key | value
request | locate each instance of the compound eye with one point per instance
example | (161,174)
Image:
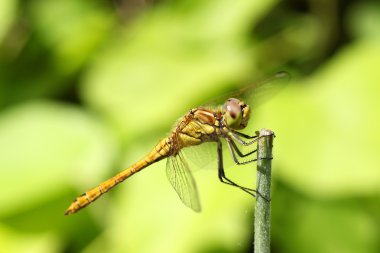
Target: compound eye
(233,113)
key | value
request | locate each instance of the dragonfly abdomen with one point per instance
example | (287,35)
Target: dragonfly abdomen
(160,151)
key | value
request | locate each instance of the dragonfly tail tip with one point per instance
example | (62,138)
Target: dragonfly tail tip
(69,211)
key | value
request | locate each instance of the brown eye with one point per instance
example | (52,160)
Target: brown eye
(233,114)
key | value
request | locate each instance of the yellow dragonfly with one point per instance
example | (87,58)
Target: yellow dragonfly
(199,125)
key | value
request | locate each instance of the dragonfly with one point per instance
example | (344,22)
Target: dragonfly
(199,125)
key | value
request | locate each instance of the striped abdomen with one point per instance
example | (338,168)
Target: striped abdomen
(160,151)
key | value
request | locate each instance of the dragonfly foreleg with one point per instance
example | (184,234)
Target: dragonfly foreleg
(232,146)
(222,175)
(243,135)
(235,136)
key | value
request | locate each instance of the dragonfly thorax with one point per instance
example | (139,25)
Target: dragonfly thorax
(236,113)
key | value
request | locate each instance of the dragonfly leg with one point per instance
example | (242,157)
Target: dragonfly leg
(233,145)
(233,148)
(243,135)
(236,137)
(222,175)
(224,179)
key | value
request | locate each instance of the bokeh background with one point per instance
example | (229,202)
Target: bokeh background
(88,87)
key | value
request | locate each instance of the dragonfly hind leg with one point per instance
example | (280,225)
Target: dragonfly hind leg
(221,174)
(223,178)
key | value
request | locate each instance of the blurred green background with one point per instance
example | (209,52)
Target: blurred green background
(89,87)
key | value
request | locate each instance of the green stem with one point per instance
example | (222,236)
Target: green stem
(262,207)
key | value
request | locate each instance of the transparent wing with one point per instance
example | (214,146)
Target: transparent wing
(256,93)
(202,156)
(180,177)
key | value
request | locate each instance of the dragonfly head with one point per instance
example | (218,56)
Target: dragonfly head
(236,113)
